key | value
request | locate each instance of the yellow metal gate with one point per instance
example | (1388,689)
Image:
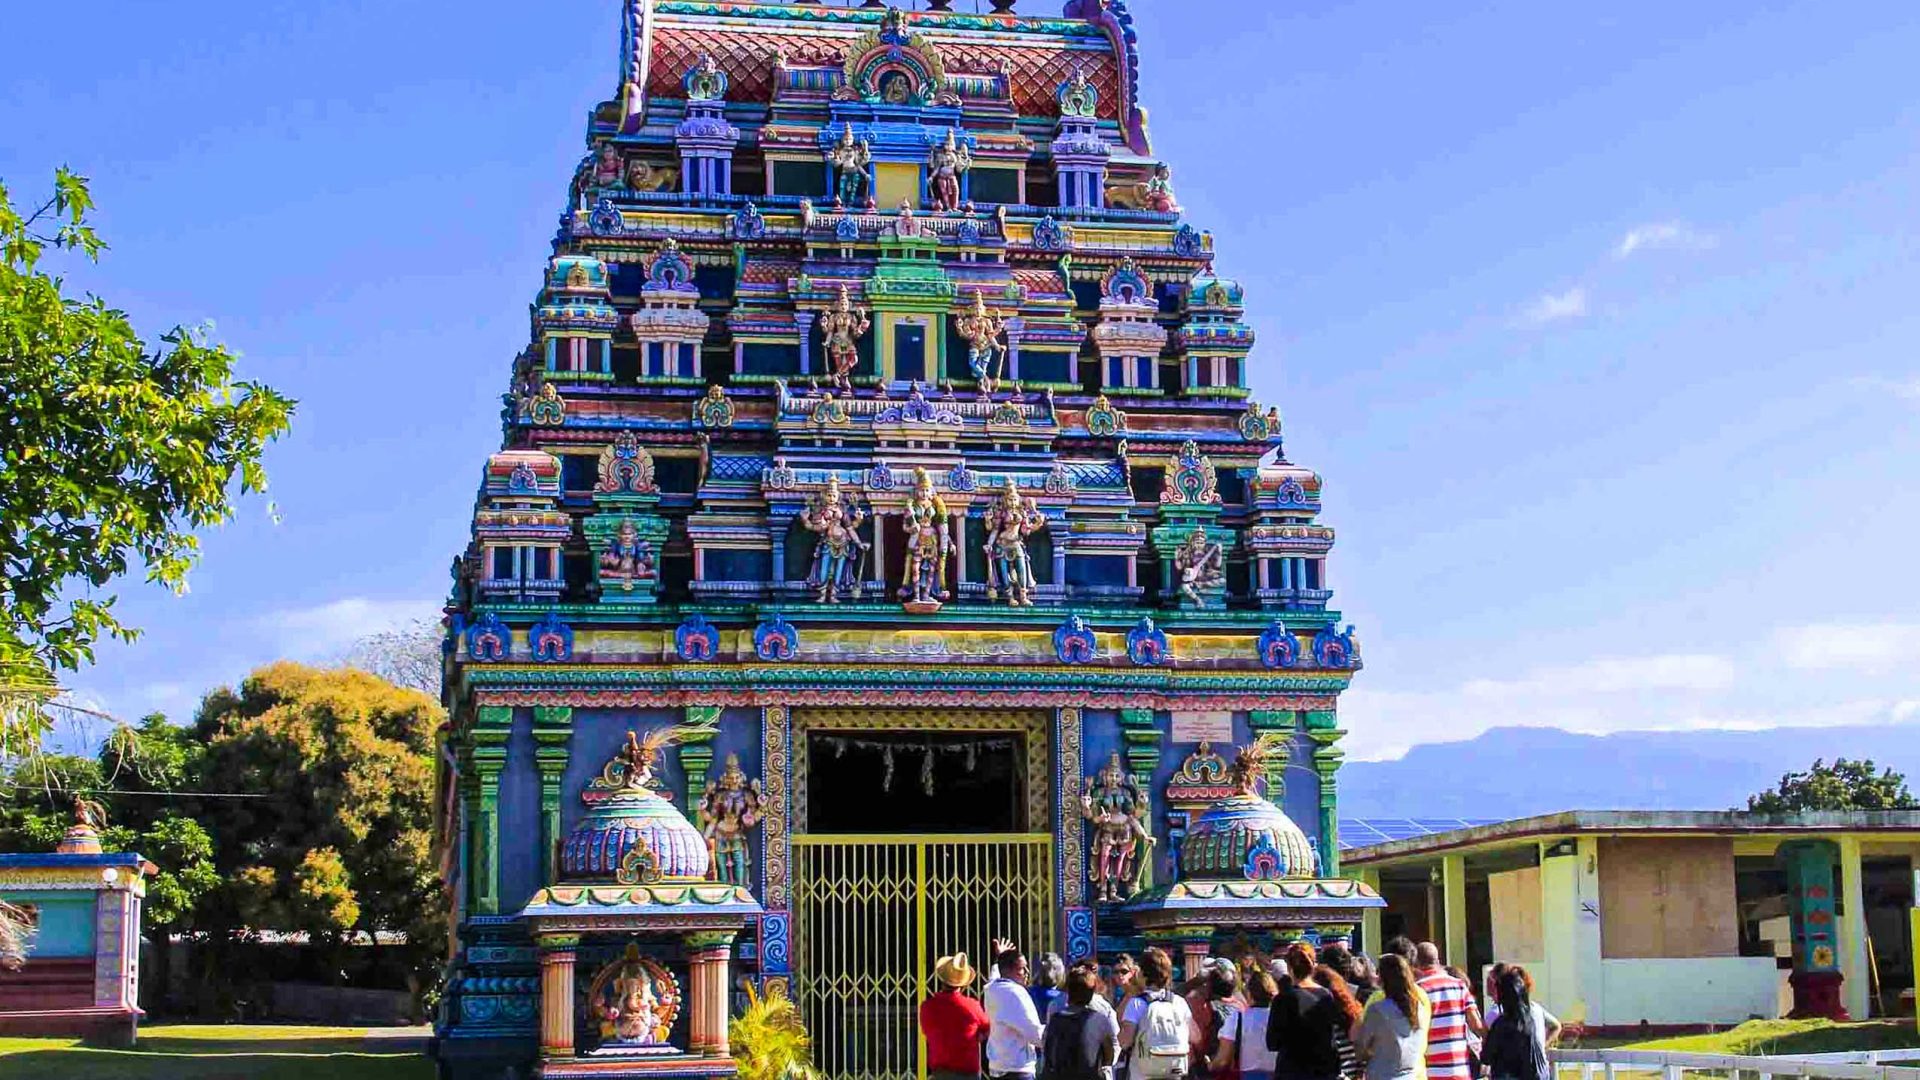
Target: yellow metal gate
(872,913)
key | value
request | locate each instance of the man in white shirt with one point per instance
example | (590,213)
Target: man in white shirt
(1015,1029)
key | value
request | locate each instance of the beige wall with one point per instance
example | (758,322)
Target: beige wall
(1667,898)
(1514,898)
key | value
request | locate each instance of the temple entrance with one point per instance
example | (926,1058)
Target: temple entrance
(925,836)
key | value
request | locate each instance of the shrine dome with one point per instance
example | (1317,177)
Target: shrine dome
(1245,837)
(630,834)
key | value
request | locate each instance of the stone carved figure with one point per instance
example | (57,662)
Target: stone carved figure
(982,329)
(842,327)
(929,544)
(839,558)
(946,163)
(1009,522)
(1200,563)
(1119,861)
(629,558)
(1156,192)
(729,808)
(849,160)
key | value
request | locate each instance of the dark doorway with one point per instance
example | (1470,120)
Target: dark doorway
(914,782)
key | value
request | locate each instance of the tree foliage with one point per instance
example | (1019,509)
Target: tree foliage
(410,655)
(113,451)
(342,842)
(1844,785)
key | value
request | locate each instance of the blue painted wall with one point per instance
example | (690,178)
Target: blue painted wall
(66,922)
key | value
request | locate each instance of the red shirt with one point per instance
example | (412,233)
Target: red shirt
(955,1025)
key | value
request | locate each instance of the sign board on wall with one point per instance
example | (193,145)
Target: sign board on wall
(1194,727)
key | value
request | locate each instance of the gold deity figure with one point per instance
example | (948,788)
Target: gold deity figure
(849,160)
(982,329)
(946,163)
(1009,522)
(1120,861)
(924,584)
(729,808)
(839,558)
(841,327)
(1198,563)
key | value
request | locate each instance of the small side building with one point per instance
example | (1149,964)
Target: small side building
(82,910)
(1629,919)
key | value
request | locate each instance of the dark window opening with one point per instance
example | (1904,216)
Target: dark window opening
(1146,481)
(714,282)
(748,177)
(994,185)
(769,358)
(677,475)
(578,472)
(1097,570)
(1233,487)
(799,178)
(909,352)
(1043,189)
(907,782)
(626,362)
(731,564)
(676,573)
(1050,366)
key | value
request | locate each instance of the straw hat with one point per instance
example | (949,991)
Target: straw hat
(953,970)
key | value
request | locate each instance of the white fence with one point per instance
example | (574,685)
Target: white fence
(1672,1065)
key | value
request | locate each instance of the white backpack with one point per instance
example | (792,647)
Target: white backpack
(1160,1047)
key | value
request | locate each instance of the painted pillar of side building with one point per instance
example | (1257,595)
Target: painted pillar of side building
(1570,929)
(1854,965)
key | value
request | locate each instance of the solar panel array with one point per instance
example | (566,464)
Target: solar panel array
(1365,832)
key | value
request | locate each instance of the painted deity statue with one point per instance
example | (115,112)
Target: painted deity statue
(729,808)
(1156,193)
(1199,563)
(842,327)
(1120,863)
(982,329)
(607,169)
(632,1011)
(929,544)
(849,160)
(947,162)
(839,557)
(1009,522)
(628,558)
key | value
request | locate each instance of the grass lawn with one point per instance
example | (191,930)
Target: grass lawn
(1792,1037)
(219,1052)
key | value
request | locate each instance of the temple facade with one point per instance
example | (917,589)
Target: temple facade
(885,554)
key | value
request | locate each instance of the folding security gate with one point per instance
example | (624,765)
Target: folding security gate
(872,914)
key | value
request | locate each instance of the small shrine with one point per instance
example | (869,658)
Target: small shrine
(1244,867)
(634,942)
(80,907)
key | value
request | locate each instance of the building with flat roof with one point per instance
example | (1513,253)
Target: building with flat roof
(1667,918)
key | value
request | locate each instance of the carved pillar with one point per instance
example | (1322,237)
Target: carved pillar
(1326,762)
(696,751)
(488,757)
(1058,531)
(803,321)
(708,952)
(552,728)
(1278,721)
(1142,740)
(556,994)
(1071,841)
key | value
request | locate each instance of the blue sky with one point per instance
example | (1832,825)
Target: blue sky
(1599,320)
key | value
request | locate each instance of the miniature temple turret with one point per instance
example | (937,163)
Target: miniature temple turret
(887,436)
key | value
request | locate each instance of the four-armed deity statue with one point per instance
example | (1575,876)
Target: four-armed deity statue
(842,327)
(1121,860)
(839,557)
(629,558)
(849,160)
(1199,564)
(729,808)
(982,329)
(945,164)
(1009,522)
(929,543)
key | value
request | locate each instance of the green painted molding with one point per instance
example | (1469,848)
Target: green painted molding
(552,716)
(493,716)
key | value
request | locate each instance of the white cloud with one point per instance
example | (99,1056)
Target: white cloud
(1553,307)
(327,629)
(1661,235)
(1612,675)
(1868,648)
(1906,388)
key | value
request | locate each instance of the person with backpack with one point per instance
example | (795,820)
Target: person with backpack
(1518,1036)
(1081,1041)
(1155,1026)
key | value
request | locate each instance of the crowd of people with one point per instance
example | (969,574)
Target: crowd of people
(1327,1014)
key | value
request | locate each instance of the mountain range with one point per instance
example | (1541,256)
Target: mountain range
(1518,772)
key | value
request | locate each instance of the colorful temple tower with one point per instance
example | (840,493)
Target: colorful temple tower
(883,539)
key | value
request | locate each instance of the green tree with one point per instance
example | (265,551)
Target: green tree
(342,843)
(113,451)
(1843,785)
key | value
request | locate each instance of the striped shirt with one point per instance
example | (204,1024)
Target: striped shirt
(1447,1056)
